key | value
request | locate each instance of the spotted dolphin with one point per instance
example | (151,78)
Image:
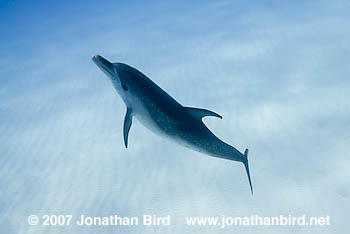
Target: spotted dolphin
(162,114)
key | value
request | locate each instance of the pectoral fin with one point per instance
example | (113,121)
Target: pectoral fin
(127,126)
(200,113)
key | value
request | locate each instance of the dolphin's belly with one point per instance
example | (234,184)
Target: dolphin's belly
(164,126)
(154,118)
(183,133)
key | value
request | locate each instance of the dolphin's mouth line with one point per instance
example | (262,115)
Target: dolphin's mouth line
(107,70)
(104,68)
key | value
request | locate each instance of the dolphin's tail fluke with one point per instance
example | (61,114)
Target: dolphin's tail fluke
(245,162)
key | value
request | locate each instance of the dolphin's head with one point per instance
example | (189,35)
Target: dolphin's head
(108,68)
(118,73)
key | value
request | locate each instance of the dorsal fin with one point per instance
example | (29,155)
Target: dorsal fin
(200,113)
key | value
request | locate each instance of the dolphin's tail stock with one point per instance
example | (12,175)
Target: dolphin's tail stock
(245,162)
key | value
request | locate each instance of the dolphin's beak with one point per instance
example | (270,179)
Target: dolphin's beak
(106,66)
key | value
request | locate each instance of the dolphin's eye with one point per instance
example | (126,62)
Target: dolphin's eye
(124,87)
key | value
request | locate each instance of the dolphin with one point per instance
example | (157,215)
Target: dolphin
(162,114)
